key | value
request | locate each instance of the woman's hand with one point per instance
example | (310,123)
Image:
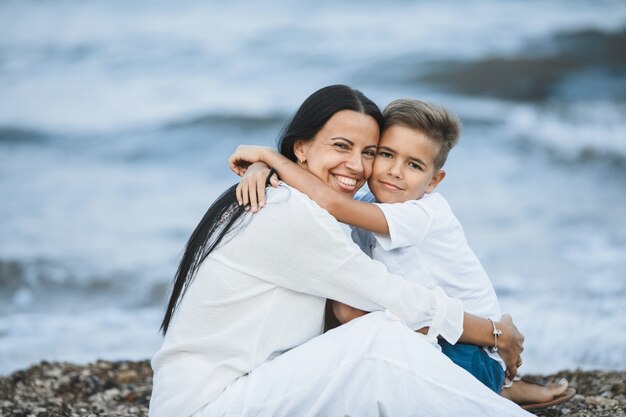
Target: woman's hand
(251,189)
(246,155)
(510,345)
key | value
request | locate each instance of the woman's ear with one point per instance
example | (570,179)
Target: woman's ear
(435,180)
(300,149)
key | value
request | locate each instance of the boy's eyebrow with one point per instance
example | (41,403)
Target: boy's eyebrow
(420,162)
(413,158)
(387,148)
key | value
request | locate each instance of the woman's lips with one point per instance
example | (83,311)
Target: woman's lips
(347,184)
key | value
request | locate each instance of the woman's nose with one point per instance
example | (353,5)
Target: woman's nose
(355,162)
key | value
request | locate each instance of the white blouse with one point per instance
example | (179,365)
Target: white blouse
(263,292)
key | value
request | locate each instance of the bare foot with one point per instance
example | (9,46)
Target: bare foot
(527,393)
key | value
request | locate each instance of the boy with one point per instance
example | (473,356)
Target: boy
(412,230)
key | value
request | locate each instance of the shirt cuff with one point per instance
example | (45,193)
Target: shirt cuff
(448,320)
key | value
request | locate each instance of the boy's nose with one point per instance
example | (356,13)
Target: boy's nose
(394,171)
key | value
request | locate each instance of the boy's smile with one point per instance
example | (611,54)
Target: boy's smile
(404,168)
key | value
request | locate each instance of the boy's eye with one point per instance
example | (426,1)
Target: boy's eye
(385,154)
(413,165)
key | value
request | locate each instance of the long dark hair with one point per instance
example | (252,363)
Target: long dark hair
(310,118)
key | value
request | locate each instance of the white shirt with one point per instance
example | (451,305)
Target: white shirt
(426,245)
(263,292)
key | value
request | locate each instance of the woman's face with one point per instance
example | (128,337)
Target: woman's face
(342,153)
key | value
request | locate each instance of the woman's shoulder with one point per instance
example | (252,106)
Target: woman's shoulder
(285,194)
(279,195)
(288,201)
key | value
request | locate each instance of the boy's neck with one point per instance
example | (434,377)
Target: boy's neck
(385,202)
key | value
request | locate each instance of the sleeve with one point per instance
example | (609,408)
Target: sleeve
(298,245)
(408,222)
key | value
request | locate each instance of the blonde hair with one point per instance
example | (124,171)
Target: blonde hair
(436,122)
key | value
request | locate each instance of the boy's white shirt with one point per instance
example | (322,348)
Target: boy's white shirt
(427,245)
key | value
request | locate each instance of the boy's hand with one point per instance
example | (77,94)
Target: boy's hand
(346,313)
(246,155)
(251,189)
(510,345)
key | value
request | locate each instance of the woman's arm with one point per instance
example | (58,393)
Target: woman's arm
(476,331)
(356,213)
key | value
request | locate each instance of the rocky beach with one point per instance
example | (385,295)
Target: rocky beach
(103,388)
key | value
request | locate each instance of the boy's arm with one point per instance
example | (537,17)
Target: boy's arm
(346,313)
(356,213)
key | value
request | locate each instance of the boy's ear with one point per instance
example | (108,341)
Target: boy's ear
(300,149)
(435,180)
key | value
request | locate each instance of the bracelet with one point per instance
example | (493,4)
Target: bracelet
(495,333)
(269,176)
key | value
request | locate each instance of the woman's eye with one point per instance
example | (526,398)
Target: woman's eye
(340,145)
(369,154)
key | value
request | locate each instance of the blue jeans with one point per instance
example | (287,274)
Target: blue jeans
(477,362)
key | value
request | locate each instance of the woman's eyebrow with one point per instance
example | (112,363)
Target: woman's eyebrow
(342,138)
(351,142)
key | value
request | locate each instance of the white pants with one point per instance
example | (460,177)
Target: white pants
(372,366)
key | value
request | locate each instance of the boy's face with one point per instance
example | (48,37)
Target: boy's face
(404,168)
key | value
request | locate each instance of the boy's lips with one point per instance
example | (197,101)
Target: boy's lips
(389,186)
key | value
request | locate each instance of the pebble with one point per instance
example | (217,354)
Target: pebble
(121,389)
(601,402)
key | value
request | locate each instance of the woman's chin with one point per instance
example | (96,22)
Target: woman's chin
(349,191)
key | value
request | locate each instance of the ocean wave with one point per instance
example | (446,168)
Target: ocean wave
(582,64)
(574,132)
(10,135)
(34,135)
(240,121)
(41,283)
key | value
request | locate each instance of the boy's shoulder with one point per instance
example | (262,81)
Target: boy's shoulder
(434,199)
(437,205)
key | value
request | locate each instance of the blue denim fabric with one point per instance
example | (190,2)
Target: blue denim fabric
(477,362)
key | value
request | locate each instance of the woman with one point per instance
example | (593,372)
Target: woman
(244,336)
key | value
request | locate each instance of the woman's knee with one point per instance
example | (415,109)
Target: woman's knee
(377,335)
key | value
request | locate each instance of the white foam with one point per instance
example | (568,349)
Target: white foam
(572,129)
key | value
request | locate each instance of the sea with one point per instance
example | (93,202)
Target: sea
(117,119)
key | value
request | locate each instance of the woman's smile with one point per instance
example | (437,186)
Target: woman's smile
(349,184)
